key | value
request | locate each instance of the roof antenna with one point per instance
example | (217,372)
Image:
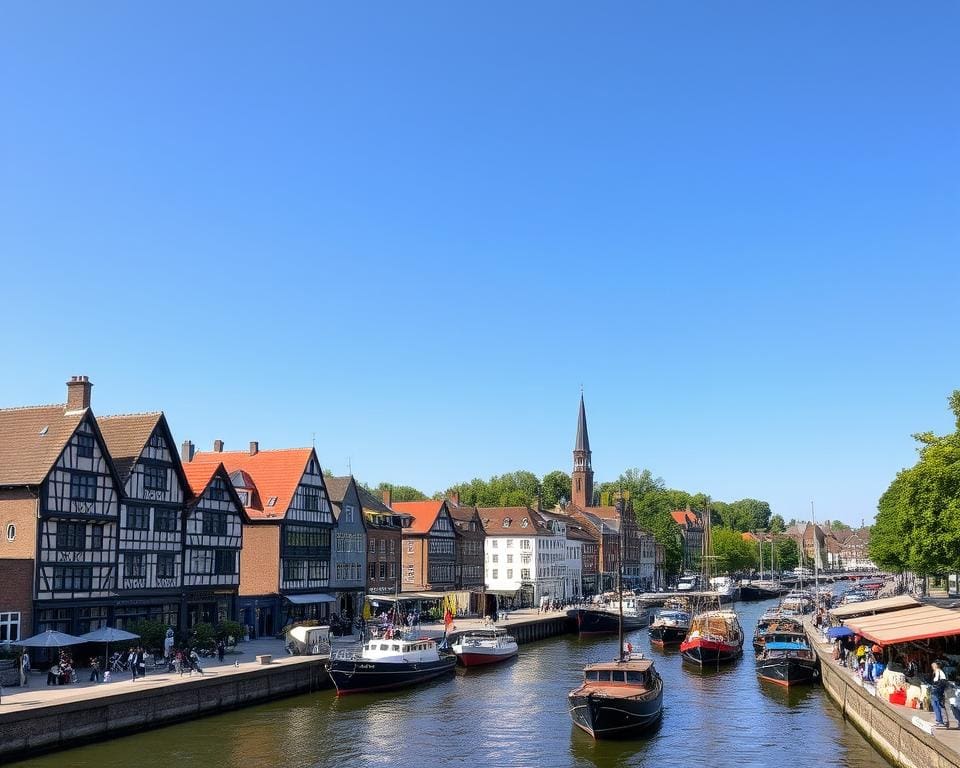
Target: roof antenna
(313,439)
(349,466)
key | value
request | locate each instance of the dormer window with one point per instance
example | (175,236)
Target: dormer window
(524,523)
(506,522)
(244,497)
(272,501)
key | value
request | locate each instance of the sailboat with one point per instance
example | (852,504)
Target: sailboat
(762,589)
(715,636)
(623,697)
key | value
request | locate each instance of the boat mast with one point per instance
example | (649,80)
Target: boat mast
(816,555)
(620,574)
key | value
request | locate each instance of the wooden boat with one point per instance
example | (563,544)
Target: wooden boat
(385,664)
(715,638)
(761,590)
(618,699)
(604,619)
(772,622)
(787,659)
(669,627)
(476,647)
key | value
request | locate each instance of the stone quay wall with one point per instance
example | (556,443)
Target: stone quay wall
(26,732)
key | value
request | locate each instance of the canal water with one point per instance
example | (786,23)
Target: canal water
(511,715)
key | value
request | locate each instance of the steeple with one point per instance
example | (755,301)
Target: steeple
(582,477)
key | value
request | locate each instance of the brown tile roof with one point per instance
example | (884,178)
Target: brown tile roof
(126,435)
(424,513)
(337,487)
(31,440)
(504,521)
(277,474)
(371,502)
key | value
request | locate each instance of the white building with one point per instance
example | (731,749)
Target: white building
(523,554)
(572,571)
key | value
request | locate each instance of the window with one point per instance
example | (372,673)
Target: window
(72,578)
(165,520)
(383,570)
(244,497)
(393,570)
(154,477)
(226,562)
(9,627)
(524,523)
(96,537)
(348,510)
(214,523)
(12,535)
(83,487)
(496,573)
(383,546)
(509,558)
(506,522)
(294,570)
(217,492)
(494,543)
(311,498)
(371,570)
(509,543)
(138,518)
(509,573)
(393,547)
(92,617)
(201,562)
(496,558)
(71,536)
(166,566)
(319,570)
(525,574)
(134,565)
(85,446)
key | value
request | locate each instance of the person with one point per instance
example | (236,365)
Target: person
(141,662)
(132,661)
(94,670)
(25,669)
(221,649)
(195,662)
(939,688)
(178,662)
(53,675)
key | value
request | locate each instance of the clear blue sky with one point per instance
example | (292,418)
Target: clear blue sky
(414,230)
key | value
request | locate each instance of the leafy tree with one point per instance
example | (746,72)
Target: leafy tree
(204,636)
(398,492)
(732,552)
(513,489)
(918,520)
(837,525)
(152,634)
(556,486)
(777,524)
(787,553)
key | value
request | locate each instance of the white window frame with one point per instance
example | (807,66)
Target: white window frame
(10,620)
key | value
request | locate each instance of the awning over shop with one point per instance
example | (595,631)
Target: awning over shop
(919,623)
(868,607)
(320,597)
(503,592)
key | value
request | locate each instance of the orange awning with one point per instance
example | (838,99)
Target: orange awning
(918,623)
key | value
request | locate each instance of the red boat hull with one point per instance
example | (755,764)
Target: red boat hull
(480,659)
(704,652)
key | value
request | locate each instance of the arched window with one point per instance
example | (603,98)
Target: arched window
(11,532)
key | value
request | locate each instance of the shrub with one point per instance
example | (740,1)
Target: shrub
(227,629)
(152,634)
(204,636)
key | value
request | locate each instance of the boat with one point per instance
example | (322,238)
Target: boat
(387,663)
(761,590)
(476,647)
(725,588)
(787,659)
(715,638)
(604,618)
(618,699)
(669,627)
(770,623)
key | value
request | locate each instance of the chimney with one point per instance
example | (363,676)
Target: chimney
(218,446)
(186,451)
(454,497)
(254,447)
(78,393)
(388,497)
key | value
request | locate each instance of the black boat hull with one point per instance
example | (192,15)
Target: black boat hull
(666,635)
(361,676)
(788,672)
(594,622)
(605,717)
(750,592)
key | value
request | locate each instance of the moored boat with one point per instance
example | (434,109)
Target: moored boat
(715,638)
(787,659)
(476,647)
(618,699)
(669,627)
(385,664)
(770,623)
(603,619)
(761,590)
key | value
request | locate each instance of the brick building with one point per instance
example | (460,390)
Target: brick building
(429,547)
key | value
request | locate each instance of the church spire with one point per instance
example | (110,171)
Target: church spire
(582,477)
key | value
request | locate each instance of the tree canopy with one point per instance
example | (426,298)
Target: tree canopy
(398,492)
(732,552)
(513,489)
(918,519)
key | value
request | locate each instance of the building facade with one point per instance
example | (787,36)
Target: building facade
(690,532)
(429,547)
(349,571)
(384,527)
(469,550)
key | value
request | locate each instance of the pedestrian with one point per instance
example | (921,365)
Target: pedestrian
(195,662)
(141,662)
(25,669)
(178,662)
(221,649)
(939,688)
(94,670)
(132,661)
(53,675)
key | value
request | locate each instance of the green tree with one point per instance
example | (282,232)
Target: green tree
(556,486)
(152,634)
(513,489)
(777,524)
(732,552)
(398,492)
(918,519)
(787,553)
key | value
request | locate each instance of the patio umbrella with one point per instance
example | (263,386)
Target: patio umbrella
(835,632)
(108,635)
(51,639)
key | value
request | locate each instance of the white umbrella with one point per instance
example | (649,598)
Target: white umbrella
(50,639)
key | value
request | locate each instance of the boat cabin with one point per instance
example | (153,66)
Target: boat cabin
(492,636)
(397,650)
(635,672)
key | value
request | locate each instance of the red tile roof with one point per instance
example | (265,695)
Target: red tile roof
(199,476)
(424,513)
(277,473)
(684,516)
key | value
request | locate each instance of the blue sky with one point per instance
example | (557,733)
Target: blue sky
(412,231)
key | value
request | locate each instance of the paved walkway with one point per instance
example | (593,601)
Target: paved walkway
(38,694)
(948,737)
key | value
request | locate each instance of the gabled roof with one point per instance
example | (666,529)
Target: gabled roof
(31,440)
(508,521)
(424,513)
(197,478)
(126,435)
(276,473)
(464,515)
(337,487)
(685,517)
(373,503)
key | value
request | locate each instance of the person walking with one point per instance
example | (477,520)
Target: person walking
(25,669)
(141,662)
(94,670)
(195,662)
(132,661)
(939,688)
(221,649)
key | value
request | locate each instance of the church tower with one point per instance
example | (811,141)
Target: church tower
(582,476)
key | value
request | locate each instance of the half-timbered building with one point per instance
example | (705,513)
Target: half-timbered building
(213,539)
(429,547)
(286,557)
(150,551)
(384,542)
(348,570)
(60,498)
(469,550)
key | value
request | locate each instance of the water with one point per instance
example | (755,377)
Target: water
(511,715)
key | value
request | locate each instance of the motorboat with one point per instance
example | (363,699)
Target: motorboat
(476,647)
(669,627)
(724,588)
(604,618)
(787,659)
(387,663)
(618,699)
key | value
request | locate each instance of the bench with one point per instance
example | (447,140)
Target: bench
(264,658)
